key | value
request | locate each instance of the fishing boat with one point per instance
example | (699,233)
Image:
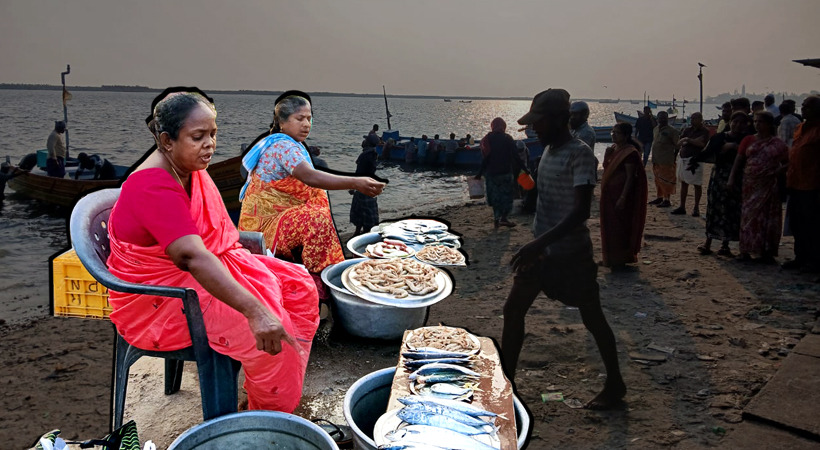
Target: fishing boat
(66,191)
(447,100)
(609,100)
(603,133)
(465,101)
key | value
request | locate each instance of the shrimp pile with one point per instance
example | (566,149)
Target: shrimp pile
(397,277)
(440,254)
(442,338)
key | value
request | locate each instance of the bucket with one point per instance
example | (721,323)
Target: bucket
(475,186)
(366,319)
(367,399)
(526,181)
(255,429)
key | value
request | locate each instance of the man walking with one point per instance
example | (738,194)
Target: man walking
(559,260)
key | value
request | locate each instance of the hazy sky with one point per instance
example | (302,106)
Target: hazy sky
(429,47)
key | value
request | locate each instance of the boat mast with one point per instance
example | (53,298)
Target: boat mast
(385,108)
(65,108)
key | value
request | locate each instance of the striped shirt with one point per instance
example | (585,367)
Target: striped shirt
(560,171)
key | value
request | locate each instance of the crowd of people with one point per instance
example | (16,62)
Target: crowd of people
(759,160)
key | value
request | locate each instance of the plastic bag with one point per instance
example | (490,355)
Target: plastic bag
(475,186)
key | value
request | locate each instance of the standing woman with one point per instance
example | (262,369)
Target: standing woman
(500,162)
(723,201)
(284,196)
(623,199)
(762,157)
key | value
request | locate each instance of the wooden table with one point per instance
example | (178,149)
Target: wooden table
(494,391)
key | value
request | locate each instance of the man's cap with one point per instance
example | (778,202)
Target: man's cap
(546,102)
(578,106)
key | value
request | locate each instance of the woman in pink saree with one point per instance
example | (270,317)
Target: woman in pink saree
(762,157)
(170,227)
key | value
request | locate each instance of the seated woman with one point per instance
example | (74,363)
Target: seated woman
(284,195)
(257,310)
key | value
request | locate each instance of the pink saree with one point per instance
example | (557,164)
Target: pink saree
(149,322)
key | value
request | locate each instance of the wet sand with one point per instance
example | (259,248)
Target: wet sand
(728,326)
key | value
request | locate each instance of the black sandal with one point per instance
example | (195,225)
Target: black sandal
(341,434)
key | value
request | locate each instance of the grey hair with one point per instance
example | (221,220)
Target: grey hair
(171,113)
(283,110)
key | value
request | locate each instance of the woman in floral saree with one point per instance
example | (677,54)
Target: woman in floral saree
(762,157)
(284,196)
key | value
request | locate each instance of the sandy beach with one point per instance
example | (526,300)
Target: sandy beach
(697,337)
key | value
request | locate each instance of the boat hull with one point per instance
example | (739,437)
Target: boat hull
(56,191)
(66,191)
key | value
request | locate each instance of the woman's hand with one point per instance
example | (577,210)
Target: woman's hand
(621,203)
(269,332)
(369,186)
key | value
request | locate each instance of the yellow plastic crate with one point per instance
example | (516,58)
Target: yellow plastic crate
(76,293)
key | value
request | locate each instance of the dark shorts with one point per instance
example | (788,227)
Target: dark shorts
(572,280)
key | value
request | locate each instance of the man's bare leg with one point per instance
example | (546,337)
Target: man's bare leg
(614,387)
(512,336)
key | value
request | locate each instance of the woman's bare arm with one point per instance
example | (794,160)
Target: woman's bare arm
(190,254)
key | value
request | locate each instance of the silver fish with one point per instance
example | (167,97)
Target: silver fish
(400,445)
(435,408)
(433,353)
(424,434)
(418,416)
(445,378)
(441,369)
(466,408)
(415,364)
(445,390)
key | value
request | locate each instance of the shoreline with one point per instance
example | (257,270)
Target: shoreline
(717,315)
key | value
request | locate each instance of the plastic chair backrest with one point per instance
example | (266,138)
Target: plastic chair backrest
(88,228)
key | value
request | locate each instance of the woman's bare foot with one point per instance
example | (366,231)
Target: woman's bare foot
(609,398)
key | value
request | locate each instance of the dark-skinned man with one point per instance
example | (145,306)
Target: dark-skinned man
(559,261)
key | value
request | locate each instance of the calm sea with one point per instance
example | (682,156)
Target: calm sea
(112,124)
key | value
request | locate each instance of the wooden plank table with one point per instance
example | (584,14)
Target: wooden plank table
(494,391)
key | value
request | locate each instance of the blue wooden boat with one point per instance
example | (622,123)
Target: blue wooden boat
(464,158)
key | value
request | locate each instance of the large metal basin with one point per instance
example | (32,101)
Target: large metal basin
(255,430)
(366,319)
(367,399)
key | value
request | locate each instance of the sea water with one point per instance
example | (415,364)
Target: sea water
(112,125)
